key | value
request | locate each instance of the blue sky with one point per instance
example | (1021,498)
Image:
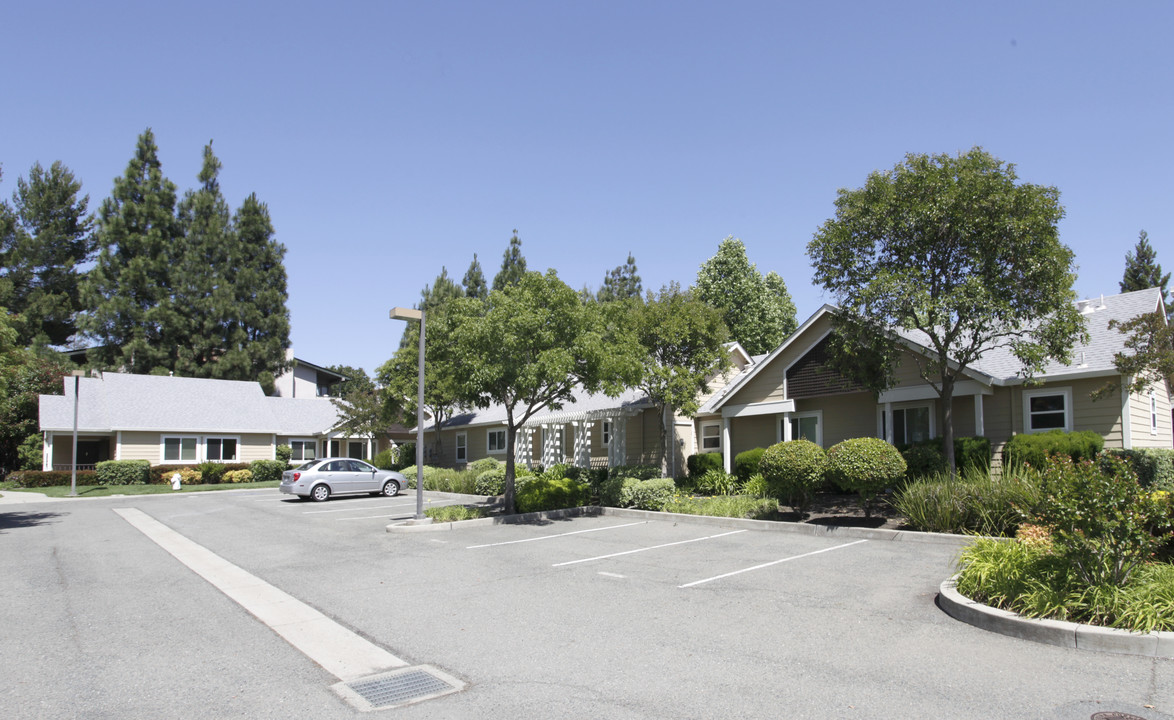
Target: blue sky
(390,139)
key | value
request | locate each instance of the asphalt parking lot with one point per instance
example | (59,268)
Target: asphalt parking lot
(589,617)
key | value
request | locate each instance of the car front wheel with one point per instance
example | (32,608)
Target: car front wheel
(391,488)
(320,493)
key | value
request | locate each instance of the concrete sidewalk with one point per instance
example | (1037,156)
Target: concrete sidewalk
(9,497)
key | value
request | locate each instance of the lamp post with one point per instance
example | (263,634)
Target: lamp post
(399,313)
(77,377)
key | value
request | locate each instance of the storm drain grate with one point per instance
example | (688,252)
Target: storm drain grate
(1115,716)
(399,687)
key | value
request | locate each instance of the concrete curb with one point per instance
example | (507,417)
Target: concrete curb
(722,522)
(1052,632)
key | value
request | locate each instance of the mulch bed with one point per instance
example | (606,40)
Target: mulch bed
(843,510)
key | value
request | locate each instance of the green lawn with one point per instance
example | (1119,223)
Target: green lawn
(107,490)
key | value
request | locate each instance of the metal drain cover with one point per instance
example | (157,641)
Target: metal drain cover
(398,687)
(1115,716)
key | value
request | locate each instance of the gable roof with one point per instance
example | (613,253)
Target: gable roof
(999,366)
(160,403)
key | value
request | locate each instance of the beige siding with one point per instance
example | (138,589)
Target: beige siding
(1102,416)
(756,431)
(255,447)
(1144,435)
(141,446)
(844,416)
(768,384)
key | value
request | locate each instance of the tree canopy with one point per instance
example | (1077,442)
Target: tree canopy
(529,346)
(513,264)
(955,249)
(1143,271)
(474,280)
(757,310)
(621,283)
(45,236)
(682,343)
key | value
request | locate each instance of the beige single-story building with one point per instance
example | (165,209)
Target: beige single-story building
(174,420)
(791,393)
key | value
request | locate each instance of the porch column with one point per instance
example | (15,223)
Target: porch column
(726,461)
(583,443)
(888,422)
(522,451)
(979,422)
(1126,420)
(787,427)
(618,448)
(47,451)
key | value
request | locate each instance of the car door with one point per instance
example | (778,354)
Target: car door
(364,475)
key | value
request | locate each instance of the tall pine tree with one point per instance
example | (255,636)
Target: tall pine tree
(621,283)
(44,237)
(474,281)
(129,289)
(513,265)
(1142,271)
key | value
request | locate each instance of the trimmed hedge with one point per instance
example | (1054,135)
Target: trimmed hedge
(267,470)
(486,463)
(866,466)
(647,494)
(794,471)
(161,474)
(1154,466)
(238,476)
(702,463)
(746,463)
(1034,448)
(551,494)
(491,482)
(284,454)
(48,478)
(922,457)
(640,472)
(123,472)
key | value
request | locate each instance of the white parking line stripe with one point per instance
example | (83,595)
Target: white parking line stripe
(385,516)
(339,651)
(548,537)
(654,547)
(765,565)
(356,509)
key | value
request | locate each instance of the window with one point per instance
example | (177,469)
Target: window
(711,437)
(605,432)
(806,426)
(357,450)
(496,441)
(1045,410)
(1153,413)
(179,449)
(335,448)
(910,425)
(303,450)
(462,447)
(220,449)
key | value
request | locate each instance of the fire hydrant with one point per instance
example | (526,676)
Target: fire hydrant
(176,479)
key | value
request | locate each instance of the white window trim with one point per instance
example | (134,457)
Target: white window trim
(499,451)
(163,449)
(310,441)
(462,447)
(705,425)
(605,432)
(817,414)
(1029,394)
(1153,412)
(203,451)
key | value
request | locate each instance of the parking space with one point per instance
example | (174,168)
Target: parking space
(351,508)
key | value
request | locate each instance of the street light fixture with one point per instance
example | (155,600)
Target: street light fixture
(399,313)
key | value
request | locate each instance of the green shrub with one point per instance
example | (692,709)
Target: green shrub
(973,502)
(30,452)
(972,453)
(238,476)
(1034,448)
(640,472)
(543,494)
(123,472)
(735,506)
(49,478)
(212,473)
(866,466)
(384,459)
(161,474)
(491,482)
(187,476)
(449,480)
(455,513)
(924,460)
(794,471)
(716,482)
(405,455)
(556,472)
(702,463)
(757,486)
(610,491)
(1100,517)
(746,463)
(1154,466)
(284,454)
(267,470)
(485,464)
(647,494)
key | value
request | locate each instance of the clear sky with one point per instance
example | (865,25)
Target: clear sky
(393,138)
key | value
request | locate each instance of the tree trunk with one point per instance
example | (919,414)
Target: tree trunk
(664,457)
(948,423)
(510,434)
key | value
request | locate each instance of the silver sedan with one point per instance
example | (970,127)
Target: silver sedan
(319,479)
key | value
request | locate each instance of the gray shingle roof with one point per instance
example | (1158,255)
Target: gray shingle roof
(122,401)
(582,403)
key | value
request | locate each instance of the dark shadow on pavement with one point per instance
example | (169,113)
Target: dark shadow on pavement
(13,520)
